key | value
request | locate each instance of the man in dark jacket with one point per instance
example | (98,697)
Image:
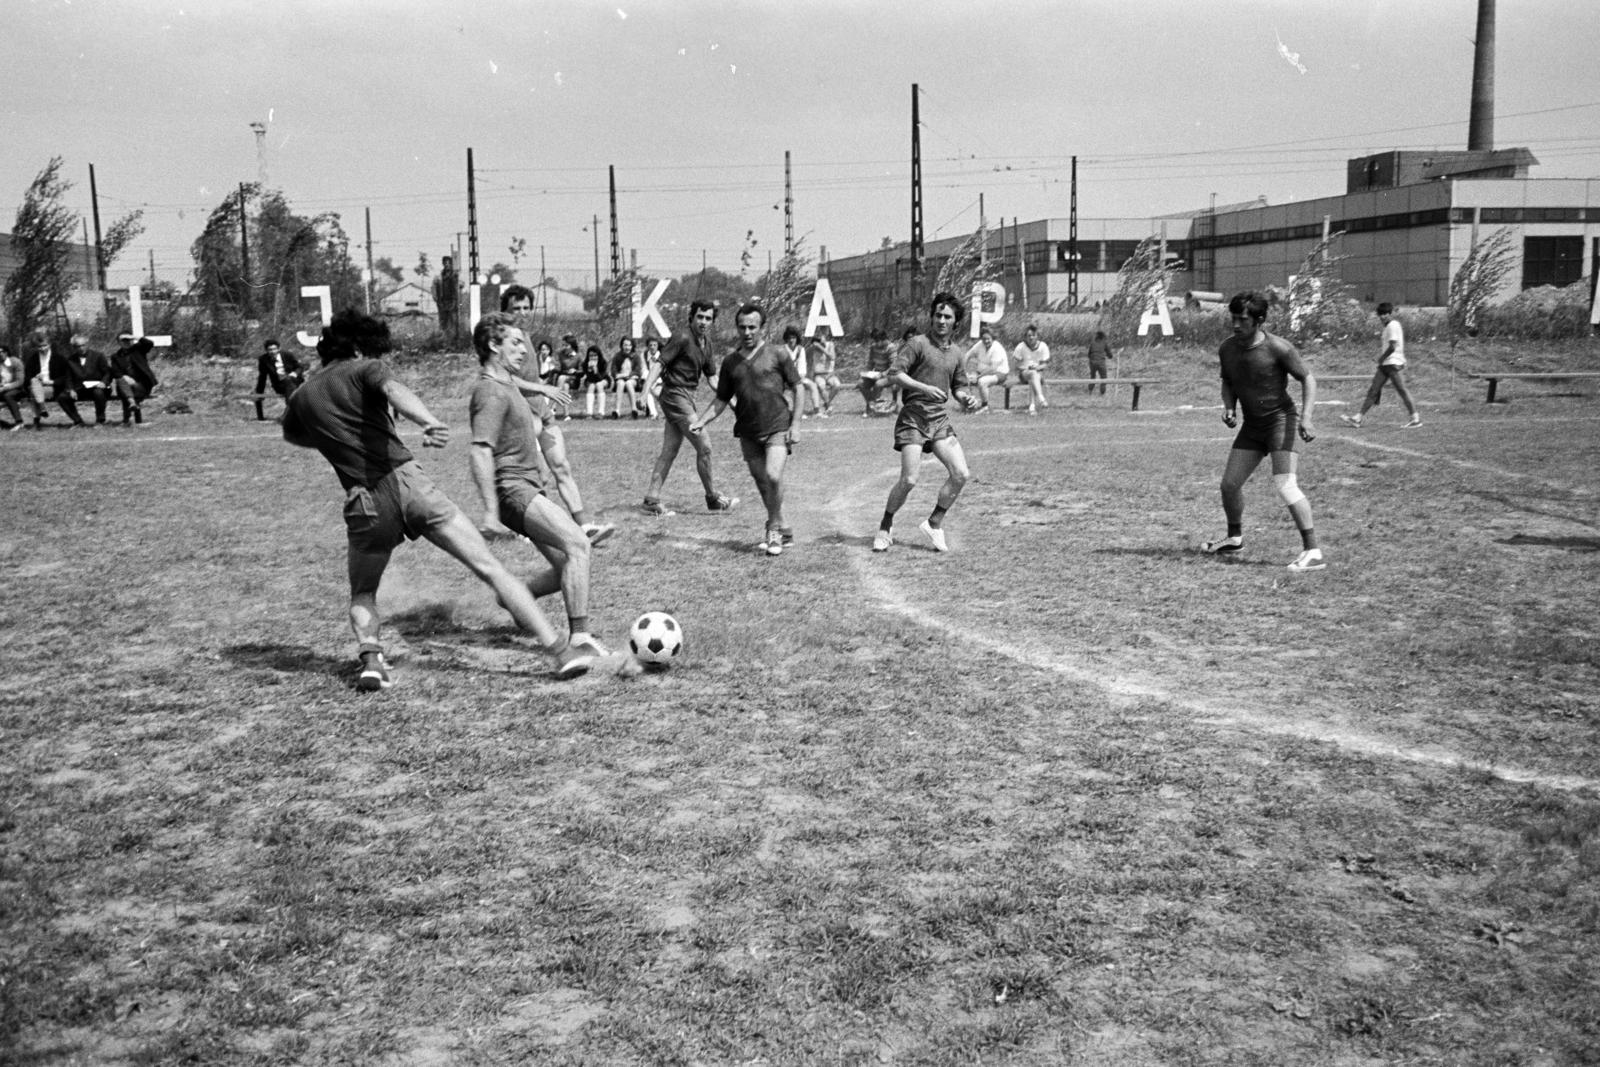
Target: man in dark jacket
(279,369)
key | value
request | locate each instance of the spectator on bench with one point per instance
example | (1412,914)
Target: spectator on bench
(875,379)
(279,369)
(987,364)
(822,361)
(133,378)
(1029,358)
(11,386)
(92,370)
(49,376)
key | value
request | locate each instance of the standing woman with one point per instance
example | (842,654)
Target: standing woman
(797,352)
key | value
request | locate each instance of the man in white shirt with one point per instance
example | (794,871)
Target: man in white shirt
(1391,368)
(1029,358)
(987,364)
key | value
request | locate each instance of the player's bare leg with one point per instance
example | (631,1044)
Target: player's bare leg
(1242,462)
(562,542)
(910,467)
(767,470)
(461,539)
(949,452)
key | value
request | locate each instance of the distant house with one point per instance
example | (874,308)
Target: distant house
(551,299)
(408,299)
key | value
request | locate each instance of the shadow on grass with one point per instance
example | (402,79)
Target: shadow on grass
(1571,544)
(295,658)
(743,546)
(1184,553)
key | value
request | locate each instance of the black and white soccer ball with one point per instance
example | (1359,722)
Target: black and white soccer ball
(655,639)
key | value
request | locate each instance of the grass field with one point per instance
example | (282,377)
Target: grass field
(1072,793)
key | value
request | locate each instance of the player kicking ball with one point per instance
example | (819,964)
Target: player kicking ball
(929,371)
(509,472)
(1256,368)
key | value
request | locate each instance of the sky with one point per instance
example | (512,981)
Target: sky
(367,105)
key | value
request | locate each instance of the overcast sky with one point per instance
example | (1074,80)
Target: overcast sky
(367,104)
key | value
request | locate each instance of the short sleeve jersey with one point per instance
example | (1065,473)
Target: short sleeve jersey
(342,409)
(990,359)
(1392,331)
(1259,380)
(502,420)
(1027,358)
(929,364)
(684,361)
(755,385)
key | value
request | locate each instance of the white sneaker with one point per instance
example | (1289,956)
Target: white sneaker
(882,540)
(1309,560)
(936,536)
(1416,420)
(1224,546)
(598,531)
(1352,420)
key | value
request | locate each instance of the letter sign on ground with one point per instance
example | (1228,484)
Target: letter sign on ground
(646,309)
(136,319)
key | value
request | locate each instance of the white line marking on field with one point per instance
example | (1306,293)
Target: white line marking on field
(1467,464)
(1132,688)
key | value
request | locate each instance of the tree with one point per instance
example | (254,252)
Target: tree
(786,289)
(966,266)
(508,274)
(422,269)
(287,251)
(385,266)
(1478,281)
(42,239)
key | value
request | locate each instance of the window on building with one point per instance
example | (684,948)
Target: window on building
(1554,261)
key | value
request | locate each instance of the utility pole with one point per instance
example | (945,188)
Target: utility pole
(596,228)
(983,231)
(370,278)
(1072,240)
(788,207)
(616,251)
(916,198)
(244,247)
(1022,259)
(544,290)
(152,269)
(99,250)
(472,220)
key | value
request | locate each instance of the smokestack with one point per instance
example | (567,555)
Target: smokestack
(1480,126)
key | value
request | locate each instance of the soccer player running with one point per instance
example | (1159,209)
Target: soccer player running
(509,473)
(1256,368)
(685,360)
(1391,368)
(343,412)
(763,384)
(518,300)
(928,371)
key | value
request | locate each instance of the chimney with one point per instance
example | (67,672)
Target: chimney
(1480,126)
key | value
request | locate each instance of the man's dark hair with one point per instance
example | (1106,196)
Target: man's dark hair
(1386,308)
(351,334)
(143,344)
(271,342)
(791,332)
(751,308)
(1249,303)
(491,330)
(908,333)
(703,305)
(948,300)
(514,292)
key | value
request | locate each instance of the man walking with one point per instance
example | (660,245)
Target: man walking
(928,369)
(1256,368)
(686,359)
(1391,369)
(279,369)
(762,383)
(343,412)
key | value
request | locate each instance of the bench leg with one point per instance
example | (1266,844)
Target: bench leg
(1007,397)
(1492,383)
(1136,388)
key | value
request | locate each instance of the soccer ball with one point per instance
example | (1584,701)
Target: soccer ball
(655,639)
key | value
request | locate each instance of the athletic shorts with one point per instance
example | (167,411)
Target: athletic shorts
(404,505)
(1279,432)
(677,407)
(515,499)
(912,430)
(756,447)
(1388,372)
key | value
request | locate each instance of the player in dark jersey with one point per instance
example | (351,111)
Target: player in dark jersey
(343,411)
(509,471)
(686,359)
(762,383)
(928,371)
(1256,368)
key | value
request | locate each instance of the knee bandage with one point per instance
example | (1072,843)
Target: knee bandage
(1288,489)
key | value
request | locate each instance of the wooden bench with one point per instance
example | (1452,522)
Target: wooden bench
(1495,378)
(1137,383)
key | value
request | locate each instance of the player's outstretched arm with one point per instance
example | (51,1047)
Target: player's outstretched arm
(554,393)
(708,416)
(435,434)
